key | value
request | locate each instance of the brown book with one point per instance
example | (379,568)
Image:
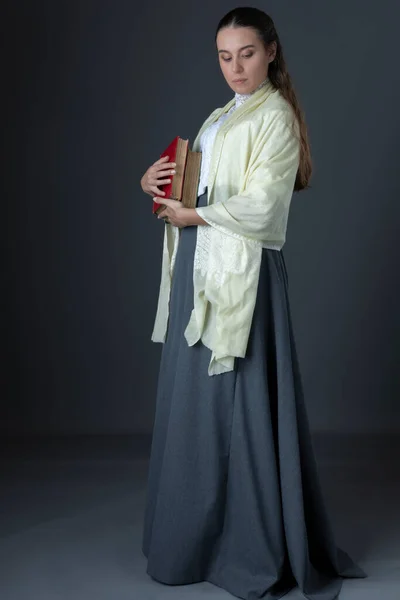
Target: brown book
(184,184)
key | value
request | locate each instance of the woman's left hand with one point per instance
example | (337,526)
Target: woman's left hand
(174,213)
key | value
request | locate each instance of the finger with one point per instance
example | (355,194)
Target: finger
(164,173)
(164,167)
(156,191)
(161,163)
(162,214)
(158,166)
(156,181)
(161,160)
(166,201)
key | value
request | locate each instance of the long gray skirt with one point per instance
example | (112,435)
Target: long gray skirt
(233,495)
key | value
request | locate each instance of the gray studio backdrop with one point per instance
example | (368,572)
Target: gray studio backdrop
(94,90)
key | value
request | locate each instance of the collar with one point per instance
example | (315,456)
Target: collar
(240,98)
(233,113)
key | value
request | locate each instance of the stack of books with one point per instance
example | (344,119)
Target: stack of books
(185,182)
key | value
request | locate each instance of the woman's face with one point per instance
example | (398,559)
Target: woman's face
(243,58)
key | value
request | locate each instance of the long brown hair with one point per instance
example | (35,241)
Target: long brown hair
(279,76)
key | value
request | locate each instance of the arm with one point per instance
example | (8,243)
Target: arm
(191,217)
(268,187)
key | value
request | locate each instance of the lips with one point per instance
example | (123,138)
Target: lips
(239,80)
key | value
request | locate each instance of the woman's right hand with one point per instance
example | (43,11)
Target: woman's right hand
(157,175)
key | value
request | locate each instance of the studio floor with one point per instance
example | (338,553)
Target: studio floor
(71,511)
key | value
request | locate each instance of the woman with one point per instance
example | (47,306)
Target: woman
(233,493)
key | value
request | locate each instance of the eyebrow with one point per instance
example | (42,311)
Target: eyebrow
(242,48)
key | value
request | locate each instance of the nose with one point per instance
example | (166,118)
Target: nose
(236,66)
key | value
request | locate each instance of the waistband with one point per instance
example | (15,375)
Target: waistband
(204,193)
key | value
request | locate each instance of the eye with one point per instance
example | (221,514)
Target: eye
(243,56)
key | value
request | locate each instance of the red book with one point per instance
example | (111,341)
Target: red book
(184,183)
